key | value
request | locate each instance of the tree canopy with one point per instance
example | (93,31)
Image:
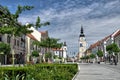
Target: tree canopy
(99,53)
(92,56)
(10,25)
(5,48)
(35,53)
(38,23)
(112,48)
(49,43)
(9,22)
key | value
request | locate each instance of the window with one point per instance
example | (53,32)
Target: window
(17,42)
(81,45)
(0,37)
(8,39)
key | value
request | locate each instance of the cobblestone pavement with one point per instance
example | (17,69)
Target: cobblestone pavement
(98,72)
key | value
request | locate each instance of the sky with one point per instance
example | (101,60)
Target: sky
(99,18)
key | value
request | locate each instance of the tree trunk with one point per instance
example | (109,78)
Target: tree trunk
(5,59)
(13,53)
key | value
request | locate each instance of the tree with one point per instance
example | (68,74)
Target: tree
(35,53)
(113,48)
(39,24)
(49,43)
(5,49)
(92,56)
(11,26)
(100,54)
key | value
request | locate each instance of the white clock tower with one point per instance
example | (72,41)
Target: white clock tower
(82,44)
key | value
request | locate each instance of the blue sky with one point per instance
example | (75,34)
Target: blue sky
(99,18)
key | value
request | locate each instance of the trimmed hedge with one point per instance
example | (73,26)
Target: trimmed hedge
(42,71)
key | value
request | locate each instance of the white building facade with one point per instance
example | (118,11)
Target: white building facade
(82,44)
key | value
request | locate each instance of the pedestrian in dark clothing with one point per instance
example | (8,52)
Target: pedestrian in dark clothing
(115,60)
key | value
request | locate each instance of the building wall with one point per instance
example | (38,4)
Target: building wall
(28,48)
(16,43)
(36,33)
(64,51)
(117,41)
(82,46)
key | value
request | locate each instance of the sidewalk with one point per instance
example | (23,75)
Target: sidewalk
(96,72)
(113,67)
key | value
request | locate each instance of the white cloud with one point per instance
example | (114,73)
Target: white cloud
(66,23)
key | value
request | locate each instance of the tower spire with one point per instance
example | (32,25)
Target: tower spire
(82,32)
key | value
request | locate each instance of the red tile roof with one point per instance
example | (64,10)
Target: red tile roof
(118,33)
(31,36)
(104,39)
(94,45)
(57,49)
(43,32)
(115,34)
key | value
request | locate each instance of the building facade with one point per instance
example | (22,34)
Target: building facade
(18,45)
(102,44)
(82,44)
(61,52)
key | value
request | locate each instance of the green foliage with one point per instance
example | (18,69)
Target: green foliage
(5,48)
(85,57)
(20,10)
(92,56)
(9,22)
(15,73)
(50,43)
(48,55)
(113,48)
(39,72)
(99,53)
(55,57)
(35,53)
(39,24)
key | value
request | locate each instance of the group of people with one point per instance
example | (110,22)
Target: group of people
(113,59)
